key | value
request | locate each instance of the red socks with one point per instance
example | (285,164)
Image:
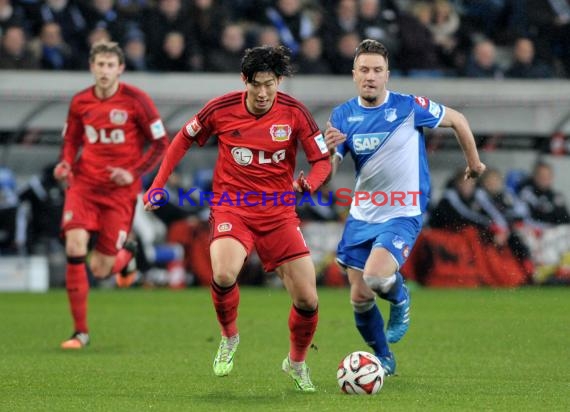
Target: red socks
(121,260)
(226,302)
(302,325)
(77,291)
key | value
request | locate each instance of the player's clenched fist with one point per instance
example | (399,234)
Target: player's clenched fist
(62,172)
(333,136)
(302,184)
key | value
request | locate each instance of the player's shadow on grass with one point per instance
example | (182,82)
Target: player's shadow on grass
(246,398)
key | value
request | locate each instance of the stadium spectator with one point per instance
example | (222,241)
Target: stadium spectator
(382,131)
(55,54)
(418,50)
(547,230)
(45,197)
(12,14)
(378,21)
(167,17)
(549,23)
(483,62)
(343,20)
(173,56)
(344,52)
(311,60)
(457,209)
(104,14)
(227,56)
(272,124)
(135,52)
(12,223)
(98,34)
(524,64)
(132,9)
(482,15)
(452,41)
(15,53)
(109,123)
(490,209)
(68,16)
(210,17)
(506,213)
(267,36)
(545,205)
(293,22)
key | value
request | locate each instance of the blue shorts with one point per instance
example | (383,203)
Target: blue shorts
(397,235)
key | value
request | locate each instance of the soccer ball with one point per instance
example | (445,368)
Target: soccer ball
(360,373)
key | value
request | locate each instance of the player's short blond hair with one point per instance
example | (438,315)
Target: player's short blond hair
(370,46)
(103,47)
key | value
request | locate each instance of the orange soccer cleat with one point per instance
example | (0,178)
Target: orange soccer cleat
(77,341)
(128,275)
(125,280)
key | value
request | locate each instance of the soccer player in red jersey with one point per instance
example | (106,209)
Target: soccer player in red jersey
(259,131)
(102,160)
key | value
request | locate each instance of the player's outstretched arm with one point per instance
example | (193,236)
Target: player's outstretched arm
(176,151)
(319,173)
(460,125)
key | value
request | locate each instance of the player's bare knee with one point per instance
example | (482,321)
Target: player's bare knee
(362,293)
(307,302)
(379,284)
(75,248)
(98,269)
(362,305)
(225,278)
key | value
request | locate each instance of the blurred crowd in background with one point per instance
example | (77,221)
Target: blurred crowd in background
(499,231)
(426,38)
(503,230)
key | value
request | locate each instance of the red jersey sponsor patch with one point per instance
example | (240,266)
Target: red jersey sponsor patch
(422,101)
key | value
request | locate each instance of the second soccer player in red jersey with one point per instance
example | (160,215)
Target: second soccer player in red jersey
(259,131)
(102,161)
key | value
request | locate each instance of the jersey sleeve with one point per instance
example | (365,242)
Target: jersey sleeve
(72,134)
(201,127)
(154,131)
(427,112)
(310,135)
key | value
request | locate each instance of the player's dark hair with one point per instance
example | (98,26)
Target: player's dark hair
(369,46)
(103,47)
(266,59)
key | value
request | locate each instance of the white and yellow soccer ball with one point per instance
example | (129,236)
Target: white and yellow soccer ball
(360,373)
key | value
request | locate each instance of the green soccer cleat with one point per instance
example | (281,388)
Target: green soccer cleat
(224,361)
(299,375)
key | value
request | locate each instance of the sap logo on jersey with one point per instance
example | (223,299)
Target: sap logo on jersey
(244,156)
(368,143)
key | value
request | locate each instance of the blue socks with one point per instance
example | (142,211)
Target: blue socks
(371,327)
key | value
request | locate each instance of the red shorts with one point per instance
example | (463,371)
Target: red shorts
(110,213)
(276,242)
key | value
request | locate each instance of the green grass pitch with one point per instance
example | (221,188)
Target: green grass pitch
(467,350)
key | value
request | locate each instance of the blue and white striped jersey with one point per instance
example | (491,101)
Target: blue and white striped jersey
(388,148)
